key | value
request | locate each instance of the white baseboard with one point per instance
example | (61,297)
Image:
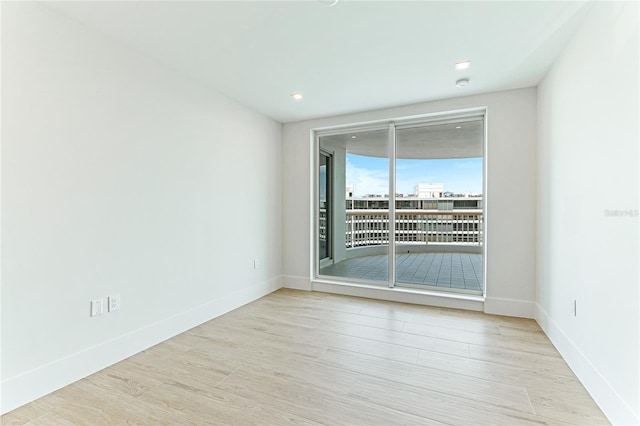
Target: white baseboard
(34,384)
(404,295)
(489,305)
(296,283)
(609,401)
(509,307)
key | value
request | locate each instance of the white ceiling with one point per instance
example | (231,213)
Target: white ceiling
(354,56)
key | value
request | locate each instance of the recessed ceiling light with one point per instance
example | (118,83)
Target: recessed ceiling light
(353,137)
(297,96)
(462,65)
(462,82)
(458,127)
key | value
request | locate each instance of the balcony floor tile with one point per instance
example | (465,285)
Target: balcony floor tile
(447,270)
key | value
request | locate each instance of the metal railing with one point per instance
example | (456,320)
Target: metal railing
(414,227)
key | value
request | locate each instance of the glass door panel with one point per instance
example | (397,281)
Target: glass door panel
(359,195)
(324,206)
(439,206)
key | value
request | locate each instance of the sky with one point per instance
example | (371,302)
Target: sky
(370,175)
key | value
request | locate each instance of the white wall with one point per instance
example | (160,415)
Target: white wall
(510,196)
(587,164)
(120,176)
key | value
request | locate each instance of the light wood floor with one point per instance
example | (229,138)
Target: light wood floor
(312,358)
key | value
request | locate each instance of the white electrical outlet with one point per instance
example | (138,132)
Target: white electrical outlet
(114,303)
(97,307)
(256,264)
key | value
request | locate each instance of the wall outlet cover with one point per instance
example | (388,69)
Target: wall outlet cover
(97,307)
(114,303)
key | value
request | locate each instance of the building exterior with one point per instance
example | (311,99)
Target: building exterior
(349,190)
(450,220)
(428,190)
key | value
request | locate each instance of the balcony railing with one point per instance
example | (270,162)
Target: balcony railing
(371,227)
(414,227)
(322,229)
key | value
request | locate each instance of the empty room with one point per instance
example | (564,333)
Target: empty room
(320,212)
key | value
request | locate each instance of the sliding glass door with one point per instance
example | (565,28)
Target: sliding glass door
(439,215)
(360,210)
(402,204)
(324,207)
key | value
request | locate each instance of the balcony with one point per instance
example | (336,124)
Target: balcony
(429,171)
(438,249)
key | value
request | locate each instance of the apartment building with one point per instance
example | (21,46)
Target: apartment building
(445,220)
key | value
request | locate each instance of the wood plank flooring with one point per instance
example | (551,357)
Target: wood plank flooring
(296,357)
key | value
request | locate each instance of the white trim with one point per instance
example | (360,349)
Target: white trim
(36,383)
(315,204)
(403,295)
(509,307)
(399,121)
(609,401)
(296,283)
(391,153)
(485,200)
